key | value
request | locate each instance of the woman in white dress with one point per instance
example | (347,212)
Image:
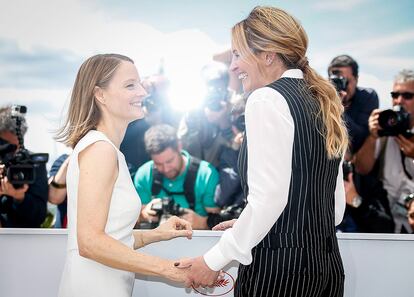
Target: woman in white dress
(103,205)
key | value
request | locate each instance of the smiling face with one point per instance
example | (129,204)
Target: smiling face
(123,97)
(248,71)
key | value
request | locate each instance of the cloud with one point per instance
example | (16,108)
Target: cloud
(39,68)
(332,5)
(43,44)
(382,87)
(380,44)
(86,29)
(46,102)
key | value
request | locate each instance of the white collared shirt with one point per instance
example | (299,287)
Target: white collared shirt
(270,133)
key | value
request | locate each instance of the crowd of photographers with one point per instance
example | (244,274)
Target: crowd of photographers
(186,164)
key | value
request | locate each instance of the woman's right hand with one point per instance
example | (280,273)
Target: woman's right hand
(224,225)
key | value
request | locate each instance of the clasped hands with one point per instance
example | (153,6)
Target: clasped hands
(199,273)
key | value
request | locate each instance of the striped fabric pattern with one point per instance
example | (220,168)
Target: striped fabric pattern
(300,255)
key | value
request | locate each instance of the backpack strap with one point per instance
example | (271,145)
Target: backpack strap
(381,157)
(190,179)
(189,183)
(156,181)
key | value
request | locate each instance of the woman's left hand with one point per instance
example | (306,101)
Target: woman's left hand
(174,227)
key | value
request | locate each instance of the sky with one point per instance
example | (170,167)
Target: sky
(43,43)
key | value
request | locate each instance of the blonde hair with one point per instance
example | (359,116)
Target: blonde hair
(269,29)
(84,113)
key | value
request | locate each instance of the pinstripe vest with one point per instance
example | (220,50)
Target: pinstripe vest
(308,219)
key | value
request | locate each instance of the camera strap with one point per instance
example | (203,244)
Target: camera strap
(403,165)
(189,183)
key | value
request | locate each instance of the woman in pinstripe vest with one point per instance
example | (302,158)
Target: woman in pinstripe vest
(289,164)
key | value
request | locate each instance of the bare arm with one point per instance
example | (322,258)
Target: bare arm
(93,208)
(173,227)
(58,195)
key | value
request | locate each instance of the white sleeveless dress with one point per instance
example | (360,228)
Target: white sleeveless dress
(83,277)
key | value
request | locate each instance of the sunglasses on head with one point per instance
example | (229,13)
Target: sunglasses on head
(405,95)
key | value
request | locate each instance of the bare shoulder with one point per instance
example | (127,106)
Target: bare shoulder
(100,154)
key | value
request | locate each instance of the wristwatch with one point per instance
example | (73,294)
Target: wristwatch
(356,201)
(56,185)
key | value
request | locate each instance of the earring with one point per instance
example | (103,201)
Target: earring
(269,60)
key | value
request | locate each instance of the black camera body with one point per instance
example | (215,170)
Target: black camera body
(19,165)
(347,168)
(239,122)
(226,214)
(167,208)
(394,122)
(340,83)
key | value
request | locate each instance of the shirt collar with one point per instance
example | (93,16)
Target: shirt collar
(293,73)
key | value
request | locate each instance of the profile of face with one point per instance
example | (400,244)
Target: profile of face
(169,162)
(10,137)
(346,72)
(404,89)
(248,71)
(124,95)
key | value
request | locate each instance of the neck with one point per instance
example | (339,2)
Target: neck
(114,130)
(275,72)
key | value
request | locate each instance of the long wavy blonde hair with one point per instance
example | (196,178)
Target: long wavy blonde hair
(84,113)
(269,29)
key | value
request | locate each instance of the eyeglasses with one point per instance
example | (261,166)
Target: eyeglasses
(405,95)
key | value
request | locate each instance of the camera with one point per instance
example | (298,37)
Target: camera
(164,209)
(347,168)
(226,214)
(216,78)
(394,122)
(340,83)
(408,200)
(239,122)
(19,165)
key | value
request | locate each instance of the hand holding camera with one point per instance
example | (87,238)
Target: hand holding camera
(406,146)
(6,188)
(373,123)
(393,122)
(148,213)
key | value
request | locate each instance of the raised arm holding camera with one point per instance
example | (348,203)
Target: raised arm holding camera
(391,144)
(23,176)
(358,101)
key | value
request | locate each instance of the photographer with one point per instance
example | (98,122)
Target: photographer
(205,132)
(20,205)
(393,154)
(367,208)
(358,102)
(174,173)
